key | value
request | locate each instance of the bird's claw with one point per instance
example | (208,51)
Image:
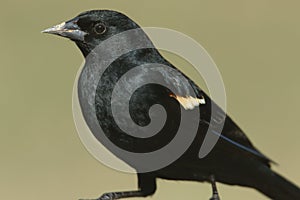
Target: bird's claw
(106,196)
(215,197)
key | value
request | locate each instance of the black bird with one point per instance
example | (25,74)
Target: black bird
(233,160)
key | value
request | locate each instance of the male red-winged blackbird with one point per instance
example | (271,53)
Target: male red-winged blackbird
(233,160)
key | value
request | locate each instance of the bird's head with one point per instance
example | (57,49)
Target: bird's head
(90,28)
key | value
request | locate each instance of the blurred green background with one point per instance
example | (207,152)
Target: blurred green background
(254,43)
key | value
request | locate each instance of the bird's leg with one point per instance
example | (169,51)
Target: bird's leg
(215,195)
(147,186)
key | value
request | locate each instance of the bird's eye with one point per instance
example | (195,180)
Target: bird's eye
(99,28)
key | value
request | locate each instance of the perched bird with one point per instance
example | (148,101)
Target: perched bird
(233,160)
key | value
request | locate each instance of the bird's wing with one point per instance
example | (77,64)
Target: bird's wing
(231,133)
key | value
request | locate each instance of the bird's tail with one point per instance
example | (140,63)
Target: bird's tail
(277,187)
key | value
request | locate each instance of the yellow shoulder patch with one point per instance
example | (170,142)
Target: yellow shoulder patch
(188,102)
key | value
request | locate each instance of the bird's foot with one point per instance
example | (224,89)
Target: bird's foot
(215,197)
(106,196)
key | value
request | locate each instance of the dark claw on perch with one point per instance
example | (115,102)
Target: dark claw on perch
(215,197)
(106,196)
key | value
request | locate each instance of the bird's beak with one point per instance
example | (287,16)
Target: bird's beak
(67,29)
